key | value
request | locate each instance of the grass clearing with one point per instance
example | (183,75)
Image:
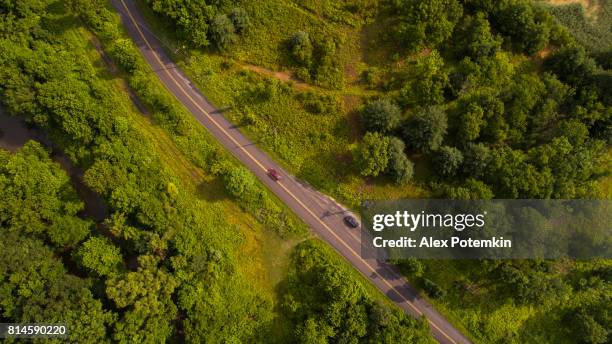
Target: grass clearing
(256,90)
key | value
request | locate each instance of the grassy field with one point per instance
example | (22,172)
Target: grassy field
(588,20)
(254,84)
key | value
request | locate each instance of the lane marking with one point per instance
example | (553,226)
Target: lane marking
(146,41)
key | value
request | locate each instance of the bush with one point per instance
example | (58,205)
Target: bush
(316,103)
(301,48)
(240,19)
(432,289)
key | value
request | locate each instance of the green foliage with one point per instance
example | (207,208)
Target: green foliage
(37,289)
(426,23)
(317,103)
(372,155)
(427,82)
(324,308)
(122,50)
(301,48)
(239,181)
(410,267)
(448,161)
(316,57)
(99,255)
(525,24)
(400,167)
(425,129)
(433,289)
(222,32)
(145,298)
(381,115)
(192,18)
(37,198)
(474,37)
(240,19)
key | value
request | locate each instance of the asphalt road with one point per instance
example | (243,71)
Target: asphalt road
(320,212)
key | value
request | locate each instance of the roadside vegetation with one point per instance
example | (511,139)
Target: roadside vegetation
(194,249)
(459,99)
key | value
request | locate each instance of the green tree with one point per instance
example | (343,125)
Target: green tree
(37,197)
(400,167)
(471,122)
(145,296)
(475,38)
(381,115)
(448,161)
(238,181)
(99,255)
(373,154)
(475,160)
(426,22)
(222,32)
(427,82)
(425,130)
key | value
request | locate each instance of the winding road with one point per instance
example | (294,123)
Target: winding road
(320,212)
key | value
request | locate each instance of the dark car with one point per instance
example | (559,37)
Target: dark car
(351,221)
(274,174)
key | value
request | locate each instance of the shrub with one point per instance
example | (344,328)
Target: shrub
(432,289)
(301,48)
(240,19)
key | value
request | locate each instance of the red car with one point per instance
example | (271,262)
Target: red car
(274,174)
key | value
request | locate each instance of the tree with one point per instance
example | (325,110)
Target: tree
(425,130)
(572,65)
(191,17)
(37,197)
(475,38)
(381,115)
(471,121)
(526,25)
(99,255)
(470,189)
(400,167)
(448,161)
(238,181)
(427,83)
(475,160)
(222,32)
(426,22)
(145,296)
(301,48)
(240,19)
(373,154)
